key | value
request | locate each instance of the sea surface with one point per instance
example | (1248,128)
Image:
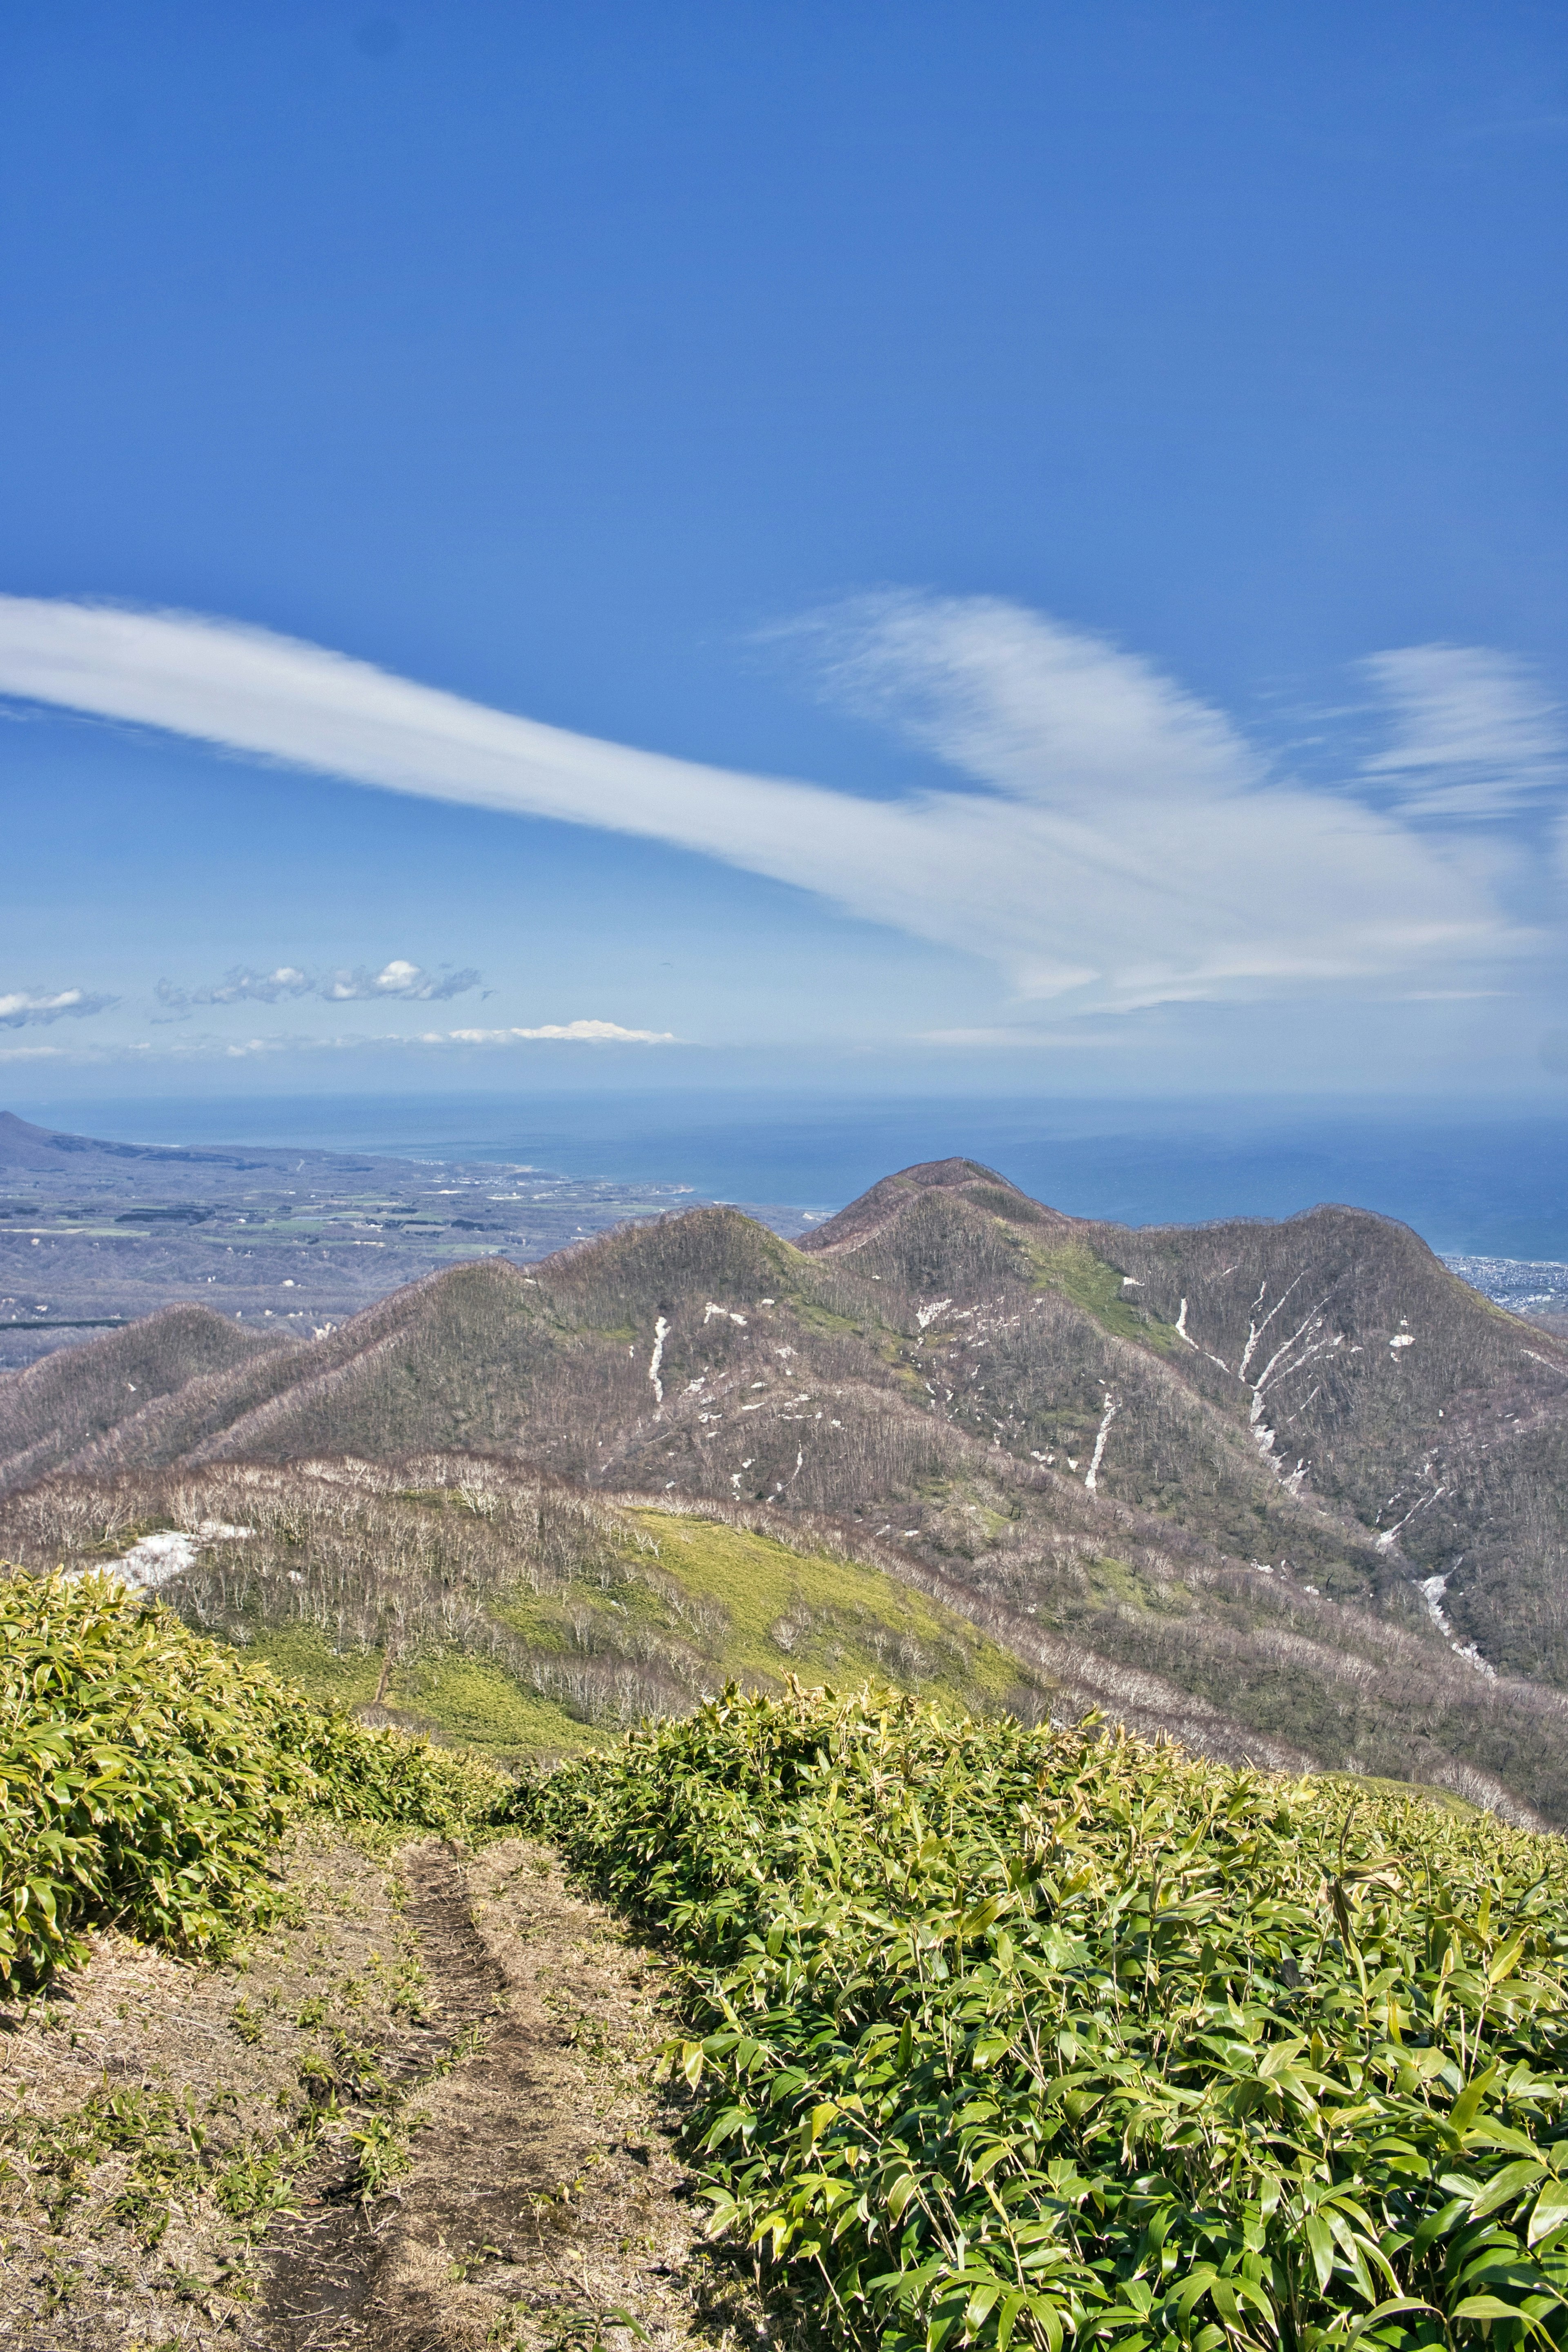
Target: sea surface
(1472,1182)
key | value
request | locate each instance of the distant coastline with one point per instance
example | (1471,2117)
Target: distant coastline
(1477,1182)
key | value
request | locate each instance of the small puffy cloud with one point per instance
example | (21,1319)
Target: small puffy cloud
(399,979)
(402,981)
(1473,733)
(23,1008)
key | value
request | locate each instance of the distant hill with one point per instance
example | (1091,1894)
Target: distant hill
(61,1409)
(1260,1483)
(95,1233)
(50,1150)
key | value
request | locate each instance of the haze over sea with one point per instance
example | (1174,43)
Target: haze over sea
(1469,1178)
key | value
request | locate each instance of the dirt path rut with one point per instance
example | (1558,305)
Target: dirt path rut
(544,2206)
(414,2115)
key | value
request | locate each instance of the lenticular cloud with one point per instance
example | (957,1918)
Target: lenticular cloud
(1110,840)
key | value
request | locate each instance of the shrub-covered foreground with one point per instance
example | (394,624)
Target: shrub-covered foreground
(1057,2037)
(146,1776)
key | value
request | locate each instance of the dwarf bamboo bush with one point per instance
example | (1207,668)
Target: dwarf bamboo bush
(146,1776)
(1045,2036)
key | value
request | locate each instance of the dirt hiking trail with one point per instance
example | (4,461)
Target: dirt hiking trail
(418,2117)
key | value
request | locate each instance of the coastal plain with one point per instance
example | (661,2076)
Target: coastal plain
(96,1233)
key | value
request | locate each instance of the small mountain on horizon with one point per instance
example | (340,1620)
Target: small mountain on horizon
(49,1150)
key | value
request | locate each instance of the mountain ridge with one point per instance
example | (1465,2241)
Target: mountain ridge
(1093,1434)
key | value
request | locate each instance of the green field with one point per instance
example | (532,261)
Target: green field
(456,1700)
(762,1610)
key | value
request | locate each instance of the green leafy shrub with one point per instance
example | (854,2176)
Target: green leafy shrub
(1039,2036)
(146,1776)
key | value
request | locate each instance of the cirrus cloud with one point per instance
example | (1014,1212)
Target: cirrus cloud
(1473,733)
(1111,841)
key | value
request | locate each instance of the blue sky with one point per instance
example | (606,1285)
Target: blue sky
(1013,548)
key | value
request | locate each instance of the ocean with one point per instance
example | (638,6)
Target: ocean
(1472,1181)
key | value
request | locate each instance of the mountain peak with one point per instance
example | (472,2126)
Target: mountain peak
(874,1210)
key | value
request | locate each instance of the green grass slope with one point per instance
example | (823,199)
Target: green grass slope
(500,1612)
(688,1604)
(825,1618)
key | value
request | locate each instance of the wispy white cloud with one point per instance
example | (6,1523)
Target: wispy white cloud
(1079,1037)
(25,1008)
(1117,841)
(396,980)
(1474,734)
(571,1033)
(207,1047)
(1049,714)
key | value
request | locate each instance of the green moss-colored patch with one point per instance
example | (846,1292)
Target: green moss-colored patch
(1074,1270)
(468,1702)
(542,1620)
(1116,1582)
(303,1656)
(893,1353)
(456,1700)
(815,1316)
(823,1619)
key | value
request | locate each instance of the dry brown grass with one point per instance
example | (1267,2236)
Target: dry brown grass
(153,2115)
